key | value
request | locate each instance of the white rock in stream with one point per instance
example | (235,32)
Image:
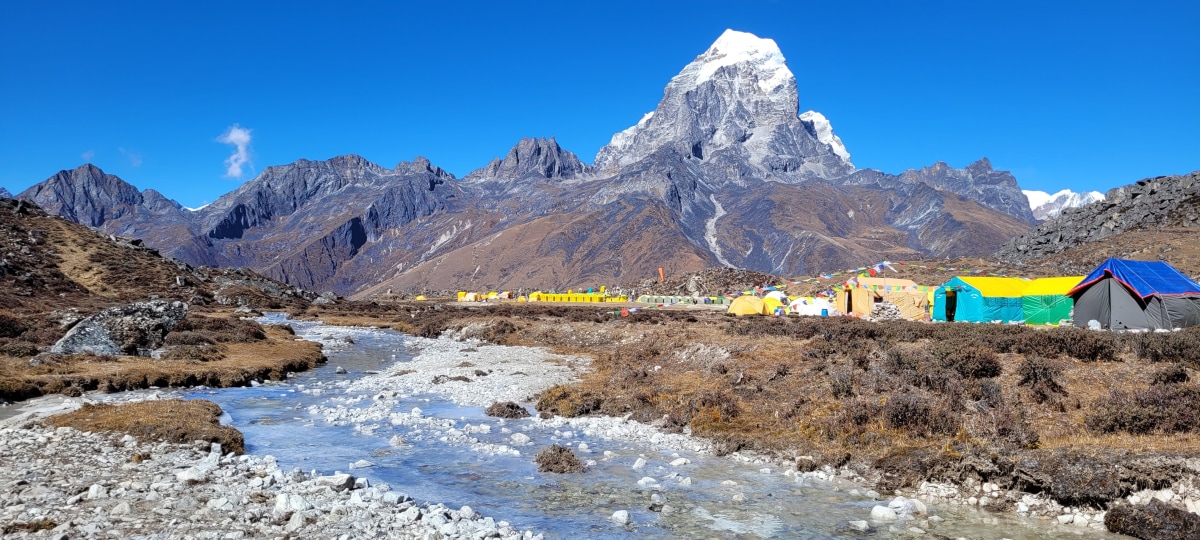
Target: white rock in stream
(620,517)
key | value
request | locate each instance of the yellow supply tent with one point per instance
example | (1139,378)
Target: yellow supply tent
(770,304)
(420,297)
(868,291)
(746,305)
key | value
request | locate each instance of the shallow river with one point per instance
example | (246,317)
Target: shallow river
(724,498)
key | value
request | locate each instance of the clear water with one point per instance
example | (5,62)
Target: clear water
(276,421)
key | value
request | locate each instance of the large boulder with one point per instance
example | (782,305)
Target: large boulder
(130,329)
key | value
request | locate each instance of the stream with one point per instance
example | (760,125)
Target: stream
(438,451)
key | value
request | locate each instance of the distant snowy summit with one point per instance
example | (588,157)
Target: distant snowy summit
(1047,206)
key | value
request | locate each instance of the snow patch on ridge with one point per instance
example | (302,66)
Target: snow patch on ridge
(1047,206)
(710,231)
(825,134)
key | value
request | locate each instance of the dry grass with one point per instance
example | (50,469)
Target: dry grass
(271,358)
(913,401)
(173,420)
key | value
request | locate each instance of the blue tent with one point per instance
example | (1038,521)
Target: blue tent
(1123,294)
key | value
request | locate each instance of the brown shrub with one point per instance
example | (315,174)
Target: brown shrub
(1171,374)
(506,409)
(10,327)
(186,338)
(558,459)
(172,420)
(913,412)
(970,362)
(43,524)
(1039,375)
(1182,347)
(197,353)
(19,349)
(1171,408)
(1154,521)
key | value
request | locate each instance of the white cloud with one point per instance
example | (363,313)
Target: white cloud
(239,137)
(87,156)
(135,159)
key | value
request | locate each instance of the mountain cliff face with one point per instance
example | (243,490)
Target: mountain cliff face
(89,196)
(1046,206)
(994,189)
(724,172)
(1165,201)
(5,194)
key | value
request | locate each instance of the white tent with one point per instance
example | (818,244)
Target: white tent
(809,305)
(778,295)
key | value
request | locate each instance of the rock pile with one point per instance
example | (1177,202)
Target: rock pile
(130,329)
(1166,201)
(884,311)
(64,483)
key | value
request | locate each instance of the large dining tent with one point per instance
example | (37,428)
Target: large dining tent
(980,299)
(1045,300)
(1123,294)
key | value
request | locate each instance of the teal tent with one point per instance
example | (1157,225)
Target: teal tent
(979,299)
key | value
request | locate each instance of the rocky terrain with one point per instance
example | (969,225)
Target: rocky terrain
(1153,204)
(65,483)
(726,171)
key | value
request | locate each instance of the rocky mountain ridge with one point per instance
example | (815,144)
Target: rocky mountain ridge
(724,172)
(1164,201)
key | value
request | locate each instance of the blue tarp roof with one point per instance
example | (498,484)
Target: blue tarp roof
(1146,278)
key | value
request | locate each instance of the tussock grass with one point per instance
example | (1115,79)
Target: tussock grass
(172,420)
(238,364)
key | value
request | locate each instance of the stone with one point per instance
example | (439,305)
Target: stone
(130,329)
(638,464)
(519,439)
(620,517)
(859,525)
(338,482)
(680,462)
(361,464)
(291,502)
(121,509)
(97,491)
(883,513)
(295,523)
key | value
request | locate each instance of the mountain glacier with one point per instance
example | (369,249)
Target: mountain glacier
(1048,206)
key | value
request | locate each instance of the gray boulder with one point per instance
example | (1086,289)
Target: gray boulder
(130,329)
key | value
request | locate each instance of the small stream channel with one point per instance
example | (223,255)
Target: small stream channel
(721,498)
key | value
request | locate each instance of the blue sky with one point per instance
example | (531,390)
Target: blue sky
(1080,95)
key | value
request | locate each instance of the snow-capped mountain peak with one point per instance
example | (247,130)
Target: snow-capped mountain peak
(1049,206)
(735,47)
(735,103)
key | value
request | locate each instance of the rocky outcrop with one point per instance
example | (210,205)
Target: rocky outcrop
(4,193)
(132,329)
(1164,201)
(531,158)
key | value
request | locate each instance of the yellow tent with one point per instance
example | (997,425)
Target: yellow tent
(420,297)
(746,305)
(913,304)
(770,303)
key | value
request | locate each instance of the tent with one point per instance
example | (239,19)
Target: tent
(420,297)
(746,305)
(1122,294)
(470,297)
(1045,300)
(771,304)
(865,292)
(808,305)
(980,299)
(778,295)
